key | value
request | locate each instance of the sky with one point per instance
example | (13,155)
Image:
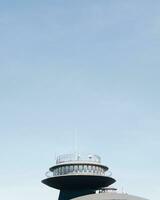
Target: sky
(85,68)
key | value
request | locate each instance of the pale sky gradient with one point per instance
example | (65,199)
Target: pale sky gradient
(91,67)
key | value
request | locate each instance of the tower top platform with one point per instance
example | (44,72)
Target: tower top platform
(78,171)
(77,157)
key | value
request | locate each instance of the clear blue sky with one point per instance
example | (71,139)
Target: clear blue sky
(91,67)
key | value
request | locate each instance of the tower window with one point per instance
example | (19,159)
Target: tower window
(85,168)
(67,169)
(71,168)
(63,170)
(76,168)
(89,168)
(93,168)
(80,168)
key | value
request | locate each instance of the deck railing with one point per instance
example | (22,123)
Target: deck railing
(76,157)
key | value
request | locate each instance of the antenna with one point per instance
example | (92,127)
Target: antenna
(55,155)
(76,142)
(122,190)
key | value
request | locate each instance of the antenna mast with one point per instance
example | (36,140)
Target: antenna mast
(76,143)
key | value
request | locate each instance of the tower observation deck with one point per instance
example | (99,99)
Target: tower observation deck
(77,175)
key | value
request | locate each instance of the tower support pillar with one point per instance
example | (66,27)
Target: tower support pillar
(70,194)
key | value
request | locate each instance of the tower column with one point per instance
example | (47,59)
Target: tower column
(70,194)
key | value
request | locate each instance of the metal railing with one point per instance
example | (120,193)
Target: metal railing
(76,157)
